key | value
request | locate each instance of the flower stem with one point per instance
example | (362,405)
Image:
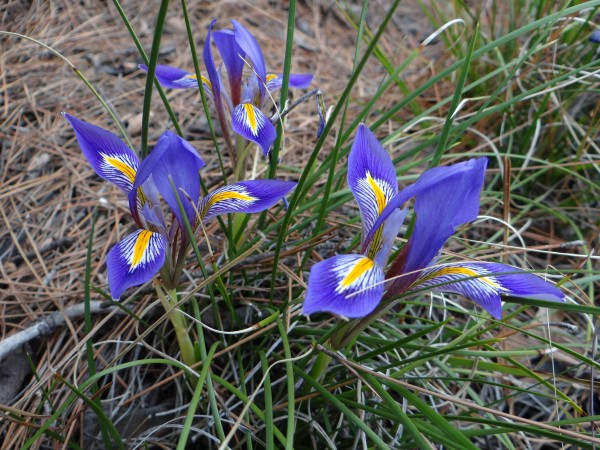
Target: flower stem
(179,322)
(319,367)
(243,149)
(348,333)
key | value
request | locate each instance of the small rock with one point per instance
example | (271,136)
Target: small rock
(38,162)
(133,123)
(13,371)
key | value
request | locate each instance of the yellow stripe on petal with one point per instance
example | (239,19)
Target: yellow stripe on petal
(206,81)
(459,271)
(223,197)
(376,243)
(122,167)
(229,195)
(271,77)
(363,265)
(141,197)
(379,195)
(140,247)
(251,118)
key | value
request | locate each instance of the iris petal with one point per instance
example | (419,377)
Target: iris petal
(440,209)
(380,247)
(250,46)
(246,196)
(347,285)
(110,157)
(473,168)
(372,180)
(211,70)
(458,184)
(250,122)
(485,282)
(296,81)
(134,260)
(172,77)
(173,160)
(233,58)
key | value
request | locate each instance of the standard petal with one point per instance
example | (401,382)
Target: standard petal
(107,154)
(173,162)
(447,197)
(134,260)
(485,283)
(250,122)
(233,58)
(468,175)
(346,285)
(246,196)
(371,178)
(250,91)
(211,70)
(296,81)
(250,46)
(440,209)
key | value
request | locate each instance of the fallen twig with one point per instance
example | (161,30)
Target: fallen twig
(51,322)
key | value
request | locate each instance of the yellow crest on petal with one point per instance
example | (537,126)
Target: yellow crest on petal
(363,265)
(206,81)
(470,273)
(251,118)
(224,196)
(140,247)
(378,192)
(121,166)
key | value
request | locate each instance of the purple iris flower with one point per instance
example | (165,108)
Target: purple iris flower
(171,171)
(352,285)
(243,99)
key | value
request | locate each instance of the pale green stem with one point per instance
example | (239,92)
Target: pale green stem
(318,369)
(354,328)
(343,336)
(243,148)
(238,175)
(238,220)
(179,322)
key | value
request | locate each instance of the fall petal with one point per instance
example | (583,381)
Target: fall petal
(110,157)
(296,81)
(250,122)
(486,282)
(246,196)
(371,178)
(134,260)
(347,285)
(174,78)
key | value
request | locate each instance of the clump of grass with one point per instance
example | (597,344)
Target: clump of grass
(515,82)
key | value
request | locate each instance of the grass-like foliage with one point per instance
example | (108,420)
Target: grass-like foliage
(194,333)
